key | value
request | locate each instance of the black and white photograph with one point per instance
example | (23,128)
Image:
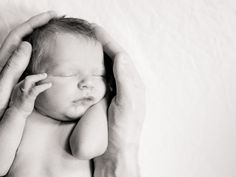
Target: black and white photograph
(117,88)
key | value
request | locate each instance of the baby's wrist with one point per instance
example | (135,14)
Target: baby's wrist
(18,112)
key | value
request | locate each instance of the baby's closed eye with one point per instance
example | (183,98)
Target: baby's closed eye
(99,75)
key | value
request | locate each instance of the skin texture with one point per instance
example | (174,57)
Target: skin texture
(126,112)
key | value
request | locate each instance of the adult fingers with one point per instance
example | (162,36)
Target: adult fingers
(110,46)
(117,54)
(14,37)
(12,71)
(125,73)
(127,78)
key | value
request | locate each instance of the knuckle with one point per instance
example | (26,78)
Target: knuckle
(14,37)
(8,64)
(23,50)
(27,25)
(17,54)
(34,91)
(11,64)
(12,48)
(28,79)
(23,98)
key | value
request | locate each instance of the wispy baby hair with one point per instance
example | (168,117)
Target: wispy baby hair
(41,36)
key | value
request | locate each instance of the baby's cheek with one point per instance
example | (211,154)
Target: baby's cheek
(101,89)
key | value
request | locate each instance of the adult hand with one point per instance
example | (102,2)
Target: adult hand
(15,56)
(125,114)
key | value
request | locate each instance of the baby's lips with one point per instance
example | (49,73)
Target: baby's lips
(87,98)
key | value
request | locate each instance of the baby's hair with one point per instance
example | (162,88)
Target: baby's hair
(40,37)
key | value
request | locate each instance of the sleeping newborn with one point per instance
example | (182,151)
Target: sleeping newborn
(61,101)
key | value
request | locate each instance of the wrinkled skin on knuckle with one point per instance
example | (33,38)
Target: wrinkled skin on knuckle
(12,62)
(14,38)
(33,92)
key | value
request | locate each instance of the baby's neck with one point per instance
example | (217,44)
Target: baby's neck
(43,118)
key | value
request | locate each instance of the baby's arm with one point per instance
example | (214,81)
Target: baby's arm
(89,138)
(13,122)
(11,130)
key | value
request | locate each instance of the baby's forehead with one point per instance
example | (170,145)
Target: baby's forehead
(70,52)
(69,43)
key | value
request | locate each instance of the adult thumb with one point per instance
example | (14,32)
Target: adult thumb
(12,71)
(18,62)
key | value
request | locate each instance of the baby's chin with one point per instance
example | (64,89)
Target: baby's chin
(75,113)
(72,116)
(72,112)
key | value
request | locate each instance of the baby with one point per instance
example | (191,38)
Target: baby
(60,104)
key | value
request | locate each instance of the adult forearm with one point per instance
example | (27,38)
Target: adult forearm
(119,164)
(11,130)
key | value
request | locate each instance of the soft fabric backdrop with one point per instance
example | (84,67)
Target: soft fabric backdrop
(185,51)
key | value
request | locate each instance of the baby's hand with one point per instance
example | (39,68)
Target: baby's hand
(26,91)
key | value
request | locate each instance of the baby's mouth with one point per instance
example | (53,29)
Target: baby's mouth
(84,100)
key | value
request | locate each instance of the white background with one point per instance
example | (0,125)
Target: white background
(185,51)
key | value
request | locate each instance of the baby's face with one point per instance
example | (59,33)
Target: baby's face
(75,68)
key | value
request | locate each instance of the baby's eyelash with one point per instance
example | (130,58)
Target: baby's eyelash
(70,75)
(61,76)
(73,75)
(99,75)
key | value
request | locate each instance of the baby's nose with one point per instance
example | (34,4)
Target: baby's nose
(85,85)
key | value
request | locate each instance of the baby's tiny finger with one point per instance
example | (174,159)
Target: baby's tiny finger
(36,90)
(32,79)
